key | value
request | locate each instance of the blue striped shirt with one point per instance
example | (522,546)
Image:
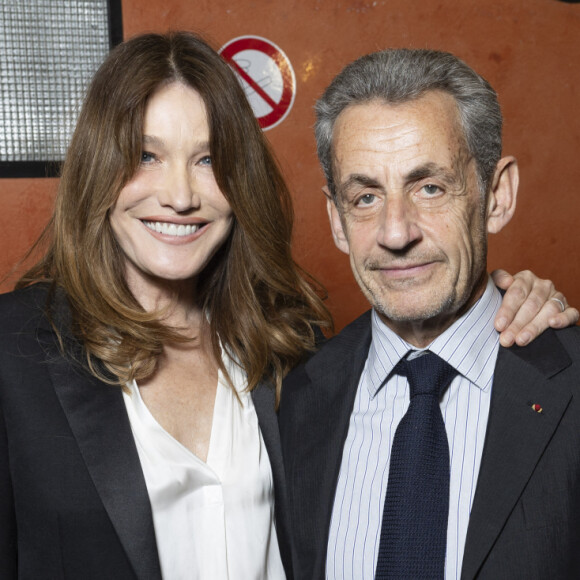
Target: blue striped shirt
(470,345)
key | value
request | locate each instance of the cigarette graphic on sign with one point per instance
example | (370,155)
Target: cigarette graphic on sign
(266,76)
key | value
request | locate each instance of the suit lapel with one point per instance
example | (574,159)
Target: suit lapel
(98,419)
(334,373)
(516,437)
(264,403)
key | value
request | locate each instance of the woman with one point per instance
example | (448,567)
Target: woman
(129,442)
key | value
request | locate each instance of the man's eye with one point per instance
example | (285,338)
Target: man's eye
(431,189)
(366,199)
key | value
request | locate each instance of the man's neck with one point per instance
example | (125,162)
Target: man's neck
(421,333)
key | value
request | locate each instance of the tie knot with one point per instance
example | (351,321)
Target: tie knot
(428,374)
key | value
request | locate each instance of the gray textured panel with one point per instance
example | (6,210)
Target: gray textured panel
(49,50)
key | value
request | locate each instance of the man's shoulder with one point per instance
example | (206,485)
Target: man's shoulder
(553,340)
(569,339)
(348,345)
(550,353)
(570,336)
(349,337)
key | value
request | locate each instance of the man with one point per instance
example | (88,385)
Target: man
(410,142)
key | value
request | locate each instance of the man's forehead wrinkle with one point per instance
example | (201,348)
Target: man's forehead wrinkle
(378,145)
(372,161)
(377,137)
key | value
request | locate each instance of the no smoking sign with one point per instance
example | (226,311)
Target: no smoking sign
(265,74)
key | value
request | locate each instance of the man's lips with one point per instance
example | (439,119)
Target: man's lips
(403,270)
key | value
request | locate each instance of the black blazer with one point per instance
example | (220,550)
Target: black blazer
(73,500)
(525,521)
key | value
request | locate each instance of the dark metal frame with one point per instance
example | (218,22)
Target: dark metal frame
(52,168)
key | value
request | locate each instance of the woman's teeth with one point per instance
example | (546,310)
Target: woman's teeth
(172,229)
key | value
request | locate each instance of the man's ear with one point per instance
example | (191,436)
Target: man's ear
(335,222)
(501,203)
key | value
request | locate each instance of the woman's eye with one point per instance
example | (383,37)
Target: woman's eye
(147,157)
(205,160)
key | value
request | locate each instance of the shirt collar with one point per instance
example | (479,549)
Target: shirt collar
(470,344)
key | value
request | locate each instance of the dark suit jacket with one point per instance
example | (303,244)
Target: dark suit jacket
(73,500)
(525,521)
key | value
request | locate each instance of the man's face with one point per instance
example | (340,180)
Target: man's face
(409,211)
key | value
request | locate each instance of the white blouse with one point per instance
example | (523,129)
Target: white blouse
(213,520)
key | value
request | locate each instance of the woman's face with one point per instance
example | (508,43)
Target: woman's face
(171,218)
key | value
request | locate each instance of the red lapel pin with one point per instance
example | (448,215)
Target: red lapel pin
(537,408)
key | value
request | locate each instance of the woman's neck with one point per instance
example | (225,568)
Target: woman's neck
(176,300)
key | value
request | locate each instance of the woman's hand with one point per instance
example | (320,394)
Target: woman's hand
(530,305)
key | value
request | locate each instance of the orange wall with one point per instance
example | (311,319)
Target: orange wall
(527,49)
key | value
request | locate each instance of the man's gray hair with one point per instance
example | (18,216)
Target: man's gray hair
(399,75)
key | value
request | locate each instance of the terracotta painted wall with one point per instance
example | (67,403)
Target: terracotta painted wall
(527,49)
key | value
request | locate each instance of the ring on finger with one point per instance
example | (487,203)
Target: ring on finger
(562,305)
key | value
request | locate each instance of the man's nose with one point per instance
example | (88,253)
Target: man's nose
(398,226)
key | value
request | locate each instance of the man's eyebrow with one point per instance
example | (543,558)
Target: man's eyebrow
(424,171)
(359,180)
(432,170)
(362,181)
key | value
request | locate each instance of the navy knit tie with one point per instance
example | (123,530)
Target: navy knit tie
(414,529)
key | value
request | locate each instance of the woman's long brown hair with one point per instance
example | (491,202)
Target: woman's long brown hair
(262,308)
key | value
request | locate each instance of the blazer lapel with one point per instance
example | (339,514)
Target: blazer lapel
(516,437)
(99,422)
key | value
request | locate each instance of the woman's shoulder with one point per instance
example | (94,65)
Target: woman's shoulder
(25,307)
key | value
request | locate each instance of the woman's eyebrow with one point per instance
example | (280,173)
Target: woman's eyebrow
(152,140)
